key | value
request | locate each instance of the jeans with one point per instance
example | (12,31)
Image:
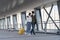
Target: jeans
(33,26)
(28,27)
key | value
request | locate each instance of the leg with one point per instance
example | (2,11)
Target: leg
(36,26)
(33,26)
(28,27)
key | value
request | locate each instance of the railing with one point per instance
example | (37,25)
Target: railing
(18,26)
(50,26)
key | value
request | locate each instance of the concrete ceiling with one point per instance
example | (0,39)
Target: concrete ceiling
(10,5)
(7,5)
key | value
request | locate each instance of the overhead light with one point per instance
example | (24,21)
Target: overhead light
(20,1)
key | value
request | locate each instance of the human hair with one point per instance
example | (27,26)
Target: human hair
(29,13)
(32,11)
(27,16)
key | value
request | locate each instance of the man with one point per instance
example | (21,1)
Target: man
(33,22)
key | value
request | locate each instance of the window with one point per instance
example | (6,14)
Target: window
(15,25)
(8,22)
(54,14)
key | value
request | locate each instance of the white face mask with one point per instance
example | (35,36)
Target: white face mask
(33,14)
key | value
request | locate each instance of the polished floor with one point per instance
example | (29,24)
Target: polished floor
(6,35)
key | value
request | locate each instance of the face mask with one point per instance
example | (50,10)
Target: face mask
(33,14)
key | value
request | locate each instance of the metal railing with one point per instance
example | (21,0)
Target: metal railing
(18,26)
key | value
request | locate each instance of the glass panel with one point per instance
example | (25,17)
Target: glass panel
(44,15)
(54,14)
(38,19)
(8,22)
(23,17)
(2,23)
(15,26)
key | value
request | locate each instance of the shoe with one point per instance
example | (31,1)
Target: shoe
(29,34)
(34,33)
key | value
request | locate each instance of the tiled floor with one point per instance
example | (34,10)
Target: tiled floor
(6,35)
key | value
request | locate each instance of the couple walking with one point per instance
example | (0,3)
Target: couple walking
(31,21)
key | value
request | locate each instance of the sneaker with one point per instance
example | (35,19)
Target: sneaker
(29,34)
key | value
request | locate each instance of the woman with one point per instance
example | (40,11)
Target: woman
(29,20)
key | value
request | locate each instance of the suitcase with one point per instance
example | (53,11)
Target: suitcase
(21,31)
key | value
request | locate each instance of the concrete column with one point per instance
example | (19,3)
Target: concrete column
(19,20)
(11,21)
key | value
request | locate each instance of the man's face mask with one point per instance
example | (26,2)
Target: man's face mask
(33,14)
